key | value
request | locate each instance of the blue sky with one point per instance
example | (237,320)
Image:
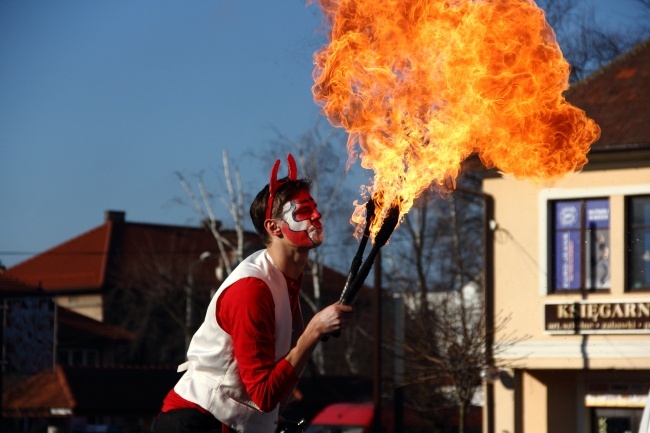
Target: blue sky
(101,102)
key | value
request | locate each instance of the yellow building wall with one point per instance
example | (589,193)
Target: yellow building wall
(87,305)
(520,250)
(506,408)
(551,363)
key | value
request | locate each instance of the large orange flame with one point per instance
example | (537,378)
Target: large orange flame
(420,85)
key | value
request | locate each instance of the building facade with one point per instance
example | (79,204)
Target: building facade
(572,274)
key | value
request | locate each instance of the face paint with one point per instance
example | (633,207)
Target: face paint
(301,221)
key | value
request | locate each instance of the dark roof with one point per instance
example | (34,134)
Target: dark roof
(90,390)
(119,249)
(94,259)
(617,97)
(11,286)
(79,327)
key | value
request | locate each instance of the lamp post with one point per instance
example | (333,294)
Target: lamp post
(377,331)
(488,277)
(489,225)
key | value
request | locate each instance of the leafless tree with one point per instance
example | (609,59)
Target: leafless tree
(230,253)
(435,265)
(588,43)
(436,256)
(445,354)
(160,286)
(165,284)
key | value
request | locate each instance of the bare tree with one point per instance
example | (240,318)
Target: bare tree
(445,357)
(161,282)
(435,264)
(586,43)
(230,254)
(434,259)
(169,284)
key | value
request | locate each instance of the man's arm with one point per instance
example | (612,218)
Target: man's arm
(246,311)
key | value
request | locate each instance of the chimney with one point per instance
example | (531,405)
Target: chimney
(206,223)
(116,216)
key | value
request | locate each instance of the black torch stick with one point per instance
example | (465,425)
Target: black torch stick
(356,261)
(350,293)
(357,275)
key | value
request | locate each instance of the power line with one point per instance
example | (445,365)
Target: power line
(98,253)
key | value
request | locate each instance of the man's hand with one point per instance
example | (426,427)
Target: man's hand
(331,319)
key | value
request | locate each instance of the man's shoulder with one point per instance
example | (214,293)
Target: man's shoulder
(246,293)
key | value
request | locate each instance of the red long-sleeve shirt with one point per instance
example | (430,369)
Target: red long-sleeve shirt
(246,311)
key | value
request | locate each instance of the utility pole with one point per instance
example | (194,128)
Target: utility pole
(488,275)
(377,370)
(489,225)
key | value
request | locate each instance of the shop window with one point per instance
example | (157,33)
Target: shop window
(622,420)
(579,239)
(638,242)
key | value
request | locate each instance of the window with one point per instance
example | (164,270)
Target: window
(580,245)
(638,243)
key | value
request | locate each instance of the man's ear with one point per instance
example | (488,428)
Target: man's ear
(273,227)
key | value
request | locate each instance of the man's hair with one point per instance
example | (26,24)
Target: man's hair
(286,191)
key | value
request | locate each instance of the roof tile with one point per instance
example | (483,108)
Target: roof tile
(617,97)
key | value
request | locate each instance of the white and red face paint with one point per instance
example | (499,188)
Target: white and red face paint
(301,221)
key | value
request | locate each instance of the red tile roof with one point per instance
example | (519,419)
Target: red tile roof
(12,285)
(119,250)
(45,394)
(617,97)
(91,261)
(76,264)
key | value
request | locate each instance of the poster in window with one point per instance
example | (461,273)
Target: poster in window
(568,268)
(597,214)
(567,260)
(598,252)
(639,243)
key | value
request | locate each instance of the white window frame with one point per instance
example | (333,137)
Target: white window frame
(552,194)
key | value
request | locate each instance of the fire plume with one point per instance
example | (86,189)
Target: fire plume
(420,85)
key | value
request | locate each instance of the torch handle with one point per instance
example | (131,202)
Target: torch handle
(390,222)
(356,261)
(351,291)
(358,257)
(354,283)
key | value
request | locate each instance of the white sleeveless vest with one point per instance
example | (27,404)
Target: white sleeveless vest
(212,378)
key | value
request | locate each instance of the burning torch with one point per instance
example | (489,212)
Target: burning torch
(360,269)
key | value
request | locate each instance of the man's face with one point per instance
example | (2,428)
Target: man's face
(301,221)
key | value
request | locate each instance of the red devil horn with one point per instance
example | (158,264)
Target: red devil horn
(273,181)
(273,187)
(274,184)
(293,170)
